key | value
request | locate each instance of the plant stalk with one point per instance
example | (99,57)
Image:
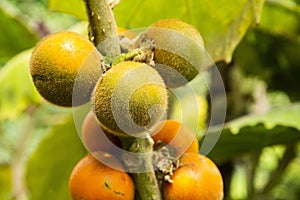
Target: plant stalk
(103,31)
(141,167)
(277,174)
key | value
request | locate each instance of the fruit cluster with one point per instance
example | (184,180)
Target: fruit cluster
(129,99)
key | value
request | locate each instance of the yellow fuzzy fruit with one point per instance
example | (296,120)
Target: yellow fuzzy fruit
(129,99)
(65,67)
(181,27)
(178,51)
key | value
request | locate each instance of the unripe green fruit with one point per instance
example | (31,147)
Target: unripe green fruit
(65,68)
(178,51)
(129,99)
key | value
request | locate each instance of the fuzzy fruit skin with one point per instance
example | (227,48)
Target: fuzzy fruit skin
(95,138)
(177,135)
(181,27)
(129,99)
(197,178)
(92,180)
(177,52)
(123,32)
(63,62)
(126,38)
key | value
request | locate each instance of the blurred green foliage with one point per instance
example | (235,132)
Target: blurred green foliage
(40,141)
(14,37)
(55,158)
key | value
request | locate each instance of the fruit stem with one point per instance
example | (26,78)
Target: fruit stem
(103,31)
(145,181)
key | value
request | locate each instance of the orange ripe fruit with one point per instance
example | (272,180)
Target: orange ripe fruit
(92,180)
(197,178)
(177,136)
(95,138)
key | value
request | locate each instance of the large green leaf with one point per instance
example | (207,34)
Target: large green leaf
(49,168)
(14,36)
(222,23)
(281,17)
(17,90)
(76,9)
(250,134)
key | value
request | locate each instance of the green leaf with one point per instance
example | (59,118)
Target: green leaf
(77,8)
(281,17)
(17,90)
(250,134)
(222,23)
(5,182)
(50,166)
(14,37)
(281,116)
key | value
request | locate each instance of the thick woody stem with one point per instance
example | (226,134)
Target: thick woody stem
(103,31)
(141,167)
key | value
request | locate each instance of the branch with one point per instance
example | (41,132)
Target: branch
(103,31)
(251,167)
(18,163)
(145,182)
(276,175)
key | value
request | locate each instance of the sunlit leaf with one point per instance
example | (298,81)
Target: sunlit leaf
(222,23)
(50,166)
(287,15)
(76,7)
(80,27)
(17,90)
(252,133)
